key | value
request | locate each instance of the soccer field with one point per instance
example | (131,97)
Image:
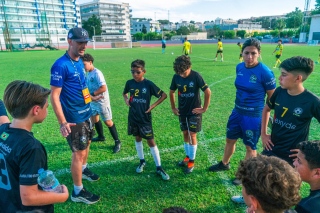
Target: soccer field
(120,187)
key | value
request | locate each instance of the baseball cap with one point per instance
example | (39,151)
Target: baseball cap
(78,34)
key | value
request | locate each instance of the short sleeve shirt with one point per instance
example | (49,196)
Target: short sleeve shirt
(187,46)
(3,111)
(188,91)
(292,120)
(95,80)
(252,84)
(241,48)
(163,41)
(21,156)
(140,94)
(310,204)
(72,81)
(278,49)
(220,45)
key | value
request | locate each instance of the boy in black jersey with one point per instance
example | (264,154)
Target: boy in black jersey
(22,155)
(188,83)
(294,107)
(139,119)
(307,164)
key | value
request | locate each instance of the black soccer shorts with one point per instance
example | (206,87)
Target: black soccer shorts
(145,132)
(193,123)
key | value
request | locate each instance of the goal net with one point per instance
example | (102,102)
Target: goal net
(313,43)
(102,42)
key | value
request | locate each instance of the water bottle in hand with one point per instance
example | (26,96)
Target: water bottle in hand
(48,181)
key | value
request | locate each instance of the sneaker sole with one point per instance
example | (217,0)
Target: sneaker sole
(85,177)
(220,170)
(83,200)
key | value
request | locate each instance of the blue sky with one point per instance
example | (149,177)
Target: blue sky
(203,10)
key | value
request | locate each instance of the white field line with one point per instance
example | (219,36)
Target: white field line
(218,82)
(130,158)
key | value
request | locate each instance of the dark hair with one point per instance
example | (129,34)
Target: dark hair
(272,181)
(298,65)
(181,64)
(20,96)
(87,57)
(238,43)
(219,39)
(185,38)
(138,64)
(280,40)
(175,210)
(252,42)
(311,151)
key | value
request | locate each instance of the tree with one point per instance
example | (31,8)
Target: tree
(229,34)
(138,36)
(176,23)
(214,31)
(317,9)
(192,28)
(88,25)
(241,33)
(275,33)
(206,22)
(144,29)
(294,19)
(192,22)
(163,21)
(183,31)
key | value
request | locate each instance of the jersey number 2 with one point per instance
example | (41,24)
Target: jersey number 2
(136,93)
(4,177)
(285,110)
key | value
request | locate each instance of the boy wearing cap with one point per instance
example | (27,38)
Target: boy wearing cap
(70,100)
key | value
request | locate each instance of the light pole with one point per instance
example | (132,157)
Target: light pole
(94,30)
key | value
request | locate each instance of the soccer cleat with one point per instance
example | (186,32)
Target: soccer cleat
(163,174)
(90,176)
(184,162)
(215,59)
(219,167)
(98,139)
(85,197)
(188,170)
(140,167)
(222,60)
(238,199)
(237,182)
(117,146)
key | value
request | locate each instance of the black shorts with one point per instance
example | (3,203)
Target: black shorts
(193,122)
(219,51)
(269,154)
(278,56)
(80,135)
(145,132)
(163,46)
(240,55)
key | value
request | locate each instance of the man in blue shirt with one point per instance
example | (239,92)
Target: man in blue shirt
(70,100)
(163,42)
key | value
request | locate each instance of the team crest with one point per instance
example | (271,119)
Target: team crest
(297,111)
(84,33)
(253,79)
(70,35)
(91,79)
(249,134)
(83,139)
(144,90)
(4,136)
(191,84)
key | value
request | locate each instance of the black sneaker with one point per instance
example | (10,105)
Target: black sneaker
(183,163)
(188,170)
(237,182)
(98,139)
(85,197)
(90,176)
(219,167)
(117,146)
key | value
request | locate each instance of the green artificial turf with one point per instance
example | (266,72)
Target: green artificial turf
(120,187)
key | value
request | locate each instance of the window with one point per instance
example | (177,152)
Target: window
(62,39)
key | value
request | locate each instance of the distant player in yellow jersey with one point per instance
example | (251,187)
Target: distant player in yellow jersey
(187,49)
(240,57)
(219,50)
(278,52)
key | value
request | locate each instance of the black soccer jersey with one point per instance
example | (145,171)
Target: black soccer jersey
(310,204)
(188,91)
(292,120)
(139,100)
(21,156)
(3,111)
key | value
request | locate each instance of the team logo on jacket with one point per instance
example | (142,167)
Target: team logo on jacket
(91,79)
(249,134)
(297,111)
(253,79)
(191,84)
(144,90)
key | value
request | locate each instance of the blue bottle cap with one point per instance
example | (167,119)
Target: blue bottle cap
(40,171)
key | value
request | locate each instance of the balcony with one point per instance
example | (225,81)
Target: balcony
(111,18)
(110,28)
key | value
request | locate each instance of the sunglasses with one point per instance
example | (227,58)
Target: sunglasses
(138,72)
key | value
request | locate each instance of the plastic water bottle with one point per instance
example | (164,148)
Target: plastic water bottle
(48,181)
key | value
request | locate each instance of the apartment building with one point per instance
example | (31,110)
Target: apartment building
(115,18)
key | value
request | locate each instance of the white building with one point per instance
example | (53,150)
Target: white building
(170,27)
(151,26)
(115,18)
(220,21)
(314,33)
(38,21)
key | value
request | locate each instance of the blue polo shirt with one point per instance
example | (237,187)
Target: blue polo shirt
(252,84)
(72,81)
